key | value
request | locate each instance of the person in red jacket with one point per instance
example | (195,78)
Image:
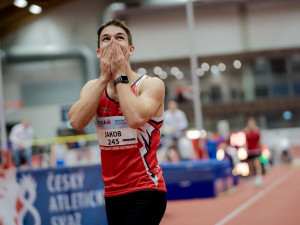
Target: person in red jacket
(254,149)
(128,109)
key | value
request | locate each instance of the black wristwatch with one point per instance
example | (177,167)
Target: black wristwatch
(122,79)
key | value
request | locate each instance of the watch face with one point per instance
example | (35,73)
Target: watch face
(122,79)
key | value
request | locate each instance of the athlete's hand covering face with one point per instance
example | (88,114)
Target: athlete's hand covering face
(119,62)
(105,56)
(114,50)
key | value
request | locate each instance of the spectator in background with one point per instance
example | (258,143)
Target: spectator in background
(211,145)
(175,122)
(21,137)
(58,154)
(254,149)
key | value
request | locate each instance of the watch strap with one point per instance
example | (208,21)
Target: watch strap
(122,79)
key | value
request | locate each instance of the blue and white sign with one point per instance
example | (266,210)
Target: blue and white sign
(60,196)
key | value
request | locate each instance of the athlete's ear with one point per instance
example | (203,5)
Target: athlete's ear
(131,50)
(98,53)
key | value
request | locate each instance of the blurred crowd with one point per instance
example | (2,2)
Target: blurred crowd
(244,149)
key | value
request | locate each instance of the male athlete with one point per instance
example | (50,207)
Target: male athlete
(128,109)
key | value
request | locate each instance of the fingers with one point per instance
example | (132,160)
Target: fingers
(119,50)
(114,59)
(110,51)
(105,61)
(106,50)
(103,52)
(113,47)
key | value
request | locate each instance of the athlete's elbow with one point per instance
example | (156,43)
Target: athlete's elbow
(136,123)
(75,124)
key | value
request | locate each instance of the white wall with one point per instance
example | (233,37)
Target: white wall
(219,30)
(165,35)
(275,25)
(157,37)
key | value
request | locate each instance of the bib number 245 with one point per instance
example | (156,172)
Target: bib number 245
(113,141)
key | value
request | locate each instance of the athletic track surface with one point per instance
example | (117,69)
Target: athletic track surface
(276,202)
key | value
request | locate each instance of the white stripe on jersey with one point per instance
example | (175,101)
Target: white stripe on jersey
(144,137)
(137,84)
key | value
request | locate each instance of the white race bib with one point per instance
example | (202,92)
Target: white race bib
(114,133)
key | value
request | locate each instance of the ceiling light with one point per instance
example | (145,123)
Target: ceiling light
(174,70)
(205,66)
(163,75)
(222,67)
(237,64)
(215,71)
(157,70)
(142,71)
(179,75)
(20,3)
(35,9)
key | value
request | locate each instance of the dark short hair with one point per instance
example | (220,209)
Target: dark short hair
(118,23)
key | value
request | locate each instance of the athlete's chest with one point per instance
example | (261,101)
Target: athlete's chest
(109,108)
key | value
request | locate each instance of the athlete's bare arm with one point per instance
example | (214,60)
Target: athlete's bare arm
(138,110)
(85,108)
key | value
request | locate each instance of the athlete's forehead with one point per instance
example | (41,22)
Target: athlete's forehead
(112,30)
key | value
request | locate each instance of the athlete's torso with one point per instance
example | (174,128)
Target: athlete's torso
(128,155)
(253,137)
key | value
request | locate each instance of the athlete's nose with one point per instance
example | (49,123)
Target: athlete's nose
(112,40)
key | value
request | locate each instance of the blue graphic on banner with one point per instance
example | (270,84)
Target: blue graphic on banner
(62,196)
(75,195)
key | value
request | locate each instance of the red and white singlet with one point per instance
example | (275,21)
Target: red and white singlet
(128,155)
(253,141)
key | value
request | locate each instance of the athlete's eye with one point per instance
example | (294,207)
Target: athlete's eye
(121,38)
(105,39)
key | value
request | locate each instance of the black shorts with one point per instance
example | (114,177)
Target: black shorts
(145,207)
(253,156)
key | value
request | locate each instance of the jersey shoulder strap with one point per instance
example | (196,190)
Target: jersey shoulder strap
(137,84)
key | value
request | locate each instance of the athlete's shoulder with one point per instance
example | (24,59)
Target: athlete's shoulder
(90,82)
(153,83)
(87,86)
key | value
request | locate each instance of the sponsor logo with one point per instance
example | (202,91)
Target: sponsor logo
(17,199)
(103,122)
(120,122)
(105,109)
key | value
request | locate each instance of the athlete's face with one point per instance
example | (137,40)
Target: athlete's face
(116,33)
(251,123)
(172,106)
